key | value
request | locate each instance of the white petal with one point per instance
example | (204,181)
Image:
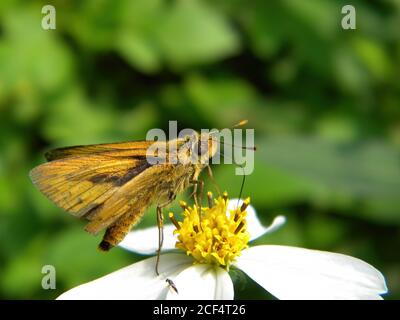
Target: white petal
(254,226)
(296,273)
(137,281)
(145,241)
(202,282)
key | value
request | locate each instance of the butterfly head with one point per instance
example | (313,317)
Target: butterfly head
(205,147)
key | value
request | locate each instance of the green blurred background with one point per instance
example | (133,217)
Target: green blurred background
(325,104)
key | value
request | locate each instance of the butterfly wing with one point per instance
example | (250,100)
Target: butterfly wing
(134,197)
(121,149)
(96,181)
(80,184)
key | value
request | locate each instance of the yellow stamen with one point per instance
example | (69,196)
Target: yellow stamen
(239,227)
(172,218)
(245,204)
(210,199)
(183,205)
(210,234)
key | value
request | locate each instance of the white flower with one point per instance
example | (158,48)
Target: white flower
(286,272)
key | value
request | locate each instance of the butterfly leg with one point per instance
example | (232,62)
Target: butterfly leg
(200,185)
(160,225)
(214,182)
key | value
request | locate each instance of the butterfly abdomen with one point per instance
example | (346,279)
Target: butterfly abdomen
(117,232)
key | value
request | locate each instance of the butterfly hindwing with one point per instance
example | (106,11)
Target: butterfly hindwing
(79,184)
(104,182)
(134,197)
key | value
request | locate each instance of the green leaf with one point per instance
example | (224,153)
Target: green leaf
(21,277)
(137,36)
(138,52)
(74,254)
(73,119)
(367,172)
(373,56)
(267,186)
(224,101)
(39,61)
(92,23)
(192,32)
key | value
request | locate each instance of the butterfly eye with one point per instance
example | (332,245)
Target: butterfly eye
(201,148)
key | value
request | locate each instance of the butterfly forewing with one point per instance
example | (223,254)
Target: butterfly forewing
(112,185)
(121,149)
(79,184)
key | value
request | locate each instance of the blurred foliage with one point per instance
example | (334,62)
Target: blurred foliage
(325,104)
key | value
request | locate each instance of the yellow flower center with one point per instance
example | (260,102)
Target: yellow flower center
(210,234)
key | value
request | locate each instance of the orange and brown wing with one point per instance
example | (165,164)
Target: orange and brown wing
(100,182)
(134,197)
(121,149)
(80,184)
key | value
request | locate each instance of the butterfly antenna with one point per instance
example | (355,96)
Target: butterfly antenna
(213,181)
(242,186)
(243,179)
(240,124)
(254,148)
